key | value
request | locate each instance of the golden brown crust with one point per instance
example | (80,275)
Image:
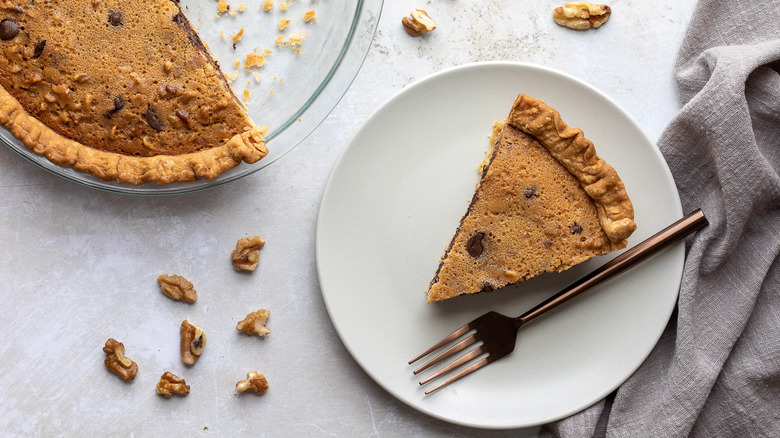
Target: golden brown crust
(577,154)
(248,146)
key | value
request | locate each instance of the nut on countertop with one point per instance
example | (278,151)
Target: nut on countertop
(117,362)
(419,23)
(177,287)
(170,384)
(193,341)
(254,323)
(581,15)
(255,382)
(247,253)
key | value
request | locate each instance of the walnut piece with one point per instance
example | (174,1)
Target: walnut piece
(247,253)
(177,287)
(581,15)
(170,384)
(419,23)
(255,382)
(117,362)
(193,341)
(254,323)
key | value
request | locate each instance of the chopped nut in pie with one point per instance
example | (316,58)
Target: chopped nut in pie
(254,323)
(193,341)
(247,253)
(254,382)
(177,287)
(117,362)
(171,384)
(581,15)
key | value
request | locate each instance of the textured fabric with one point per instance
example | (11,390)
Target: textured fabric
(716,369)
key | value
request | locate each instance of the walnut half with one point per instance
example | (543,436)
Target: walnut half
(419,23)
(170,384)
(117,362)
(255,382)
(193,341)
(247,253)
(581,15)
(178,288)
(254,323)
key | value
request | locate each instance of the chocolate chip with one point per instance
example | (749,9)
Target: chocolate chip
(119,103)
(530,193)
(39,49)
(115,18)
(8,29)
(152,120)
(576,228)
(474,245)
(548,243)
(486,288)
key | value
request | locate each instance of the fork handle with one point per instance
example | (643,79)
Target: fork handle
(630,258)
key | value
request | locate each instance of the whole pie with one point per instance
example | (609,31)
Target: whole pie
(545,202)
(122,90)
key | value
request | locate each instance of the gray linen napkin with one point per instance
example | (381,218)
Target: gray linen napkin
(716,369)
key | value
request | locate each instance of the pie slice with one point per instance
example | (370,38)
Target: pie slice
(122,90)
(545,203)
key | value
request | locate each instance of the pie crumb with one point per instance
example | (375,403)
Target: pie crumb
(256,58)
(295,40)
(222,6)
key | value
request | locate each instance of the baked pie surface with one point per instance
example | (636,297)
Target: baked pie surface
(545,202)
(124,91)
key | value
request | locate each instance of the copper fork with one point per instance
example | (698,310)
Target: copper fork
(498,333)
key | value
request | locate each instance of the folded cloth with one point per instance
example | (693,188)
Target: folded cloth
(716,369)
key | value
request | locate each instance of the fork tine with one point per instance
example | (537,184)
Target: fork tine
(456,334)
(447,353)
(466,371)
(456,363)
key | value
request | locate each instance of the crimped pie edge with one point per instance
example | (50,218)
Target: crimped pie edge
(248,147)
(578,155)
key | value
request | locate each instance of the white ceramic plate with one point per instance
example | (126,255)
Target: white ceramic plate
(395,197)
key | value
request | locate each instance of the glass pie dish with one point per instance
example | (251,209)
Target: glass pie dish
(308,66)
